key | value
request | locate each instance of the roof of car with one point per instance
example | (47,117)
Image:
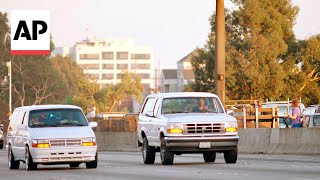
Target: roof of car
(183,94)
(49,106)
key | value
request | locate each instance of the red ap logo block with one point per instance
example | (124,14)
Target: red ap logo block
(30,32)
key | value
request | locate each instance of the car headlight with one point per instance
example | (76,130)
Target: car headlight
(231,127)
(40,143)
(90,141)
(175,128)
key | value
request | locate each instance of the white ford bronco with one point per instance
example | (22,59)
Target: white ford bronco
(190,122)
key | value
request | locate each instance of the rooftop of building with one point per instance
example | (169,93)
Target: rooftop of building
(170,73)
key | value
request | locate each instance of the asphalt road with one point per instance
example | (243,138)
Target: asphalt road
(128,165)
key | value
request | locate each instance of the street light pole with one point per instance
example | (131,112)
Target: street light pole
(9,74)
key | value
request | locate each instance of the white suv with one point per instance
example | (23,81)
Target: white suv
(51,134)
(192,122)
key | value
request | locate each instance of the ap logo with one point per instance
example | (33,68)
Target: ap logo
(30,32)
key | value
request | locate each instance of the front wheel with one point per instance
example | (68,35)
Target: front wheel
(30,165)
(209,156)
(93,164)
(230,157)
(166,155)
(11,162)
(148,152)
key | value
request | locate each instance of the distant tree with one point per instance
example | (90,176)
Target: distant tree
(257,37)
(70,73)
(130,86)
(203,65)
(107,99)
(87,93)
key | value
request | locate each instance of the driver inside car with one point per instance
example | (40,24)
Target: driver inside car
(201,106)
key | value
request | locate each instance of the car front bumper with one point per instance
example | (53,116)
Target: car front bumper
(192,144)
(63,154)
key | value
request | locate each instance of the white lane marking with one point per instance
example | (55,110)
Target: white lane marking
(297,178)
(170,171)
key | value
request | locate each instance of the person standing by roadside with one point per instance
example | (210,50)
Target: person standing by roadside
(90,113)
(93,109)
(296,115)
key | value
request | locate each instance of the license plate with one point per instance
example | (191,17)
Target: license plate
(204,145)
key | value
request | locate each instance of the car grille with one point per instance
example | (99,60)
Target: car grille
(65,142)
(204,128)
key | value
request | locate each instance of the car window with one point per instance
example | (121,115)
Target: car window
(148,105)
(13,118)
(190,105)
(316,120)
(156,107)
(20,117)
(56,118)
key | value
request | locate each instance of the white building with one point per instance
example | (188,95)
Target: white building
(169,80)
(175,80)
(104,61)
(185,72)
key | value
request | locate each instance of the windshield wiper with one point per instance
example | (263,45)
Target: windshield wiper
(44,125)
(73,124)
(175,112)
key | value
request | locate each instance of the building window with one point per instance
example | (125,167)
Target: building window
(146,87)
(107,76)
(89,66)
(122,55)
(140,56)
(122,66)
(144,76)
(89,56)
(93,76)
(107,55)
(119,76)
(107,66)
(140,66)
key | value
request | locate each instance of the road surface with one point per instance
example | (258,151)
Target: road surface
(128,165)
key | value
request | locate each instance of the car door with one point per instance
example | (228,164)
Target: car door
(20,130)
(12,130)
(145,119)
(154,125)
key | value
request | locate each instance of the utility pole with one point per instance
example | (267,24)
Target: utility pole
(10,77)
(220,51)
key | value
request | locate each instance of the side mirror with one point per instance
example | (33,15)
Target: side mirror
(22,127)
(93,124)
(230,112)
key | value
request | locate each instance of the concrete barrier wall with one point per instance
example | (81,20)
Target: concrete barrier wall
(268,141)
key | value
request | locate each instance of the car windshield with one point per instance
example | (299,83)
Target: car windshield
(57,118)
(309,110)
(191,105)
(316,120)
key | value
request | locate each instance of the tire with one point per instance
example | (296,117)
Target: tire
(30,165)
(165,154)
(230,157)
(1,146)
(93,164)
(74,165)
(148,152)
(209,156)
(11,162)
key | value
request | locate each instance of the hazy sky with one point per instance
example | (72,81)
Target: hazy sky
(172,27)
